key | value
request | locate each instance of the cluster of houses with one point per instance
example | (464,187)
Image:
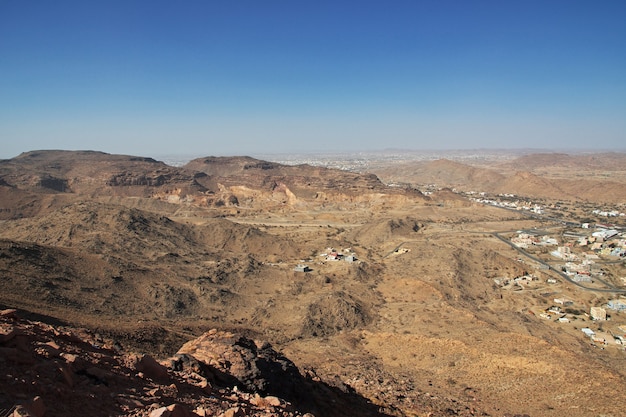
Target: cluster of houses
(331,254)
(558,310)
(513,202)
(524,240)
(602,242)
(579,272)
(606,213)
(513,205)
(619,339)
(607,242)
(518,282)
(565,253)
(596,314)
(600,314)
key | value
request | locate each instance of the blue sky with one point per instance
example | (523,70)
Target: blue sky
(245,77)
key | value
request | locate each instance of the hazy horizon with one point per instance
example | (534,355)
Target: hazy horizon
(350,159)
(249,78)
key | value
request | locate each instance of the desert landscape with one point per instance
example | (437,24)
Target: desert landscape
(240,286)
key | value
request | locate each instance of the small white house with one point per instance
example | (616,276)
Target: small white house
(563,301)
(587,331)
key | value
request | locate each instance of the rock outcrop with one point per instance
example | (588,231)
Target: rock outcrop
(58,371)
(254,366)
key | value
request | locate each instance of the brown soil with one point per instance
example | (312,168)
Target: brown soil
(416,325)
(597,177)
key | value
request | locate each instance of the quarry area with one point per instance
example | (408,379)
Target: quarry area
(480,285)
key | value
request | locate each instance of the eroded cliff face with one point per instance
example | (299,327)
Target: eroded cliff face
(218,183)
(303,180)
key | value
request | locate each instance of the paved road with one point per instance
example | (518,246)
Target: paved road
(566,277)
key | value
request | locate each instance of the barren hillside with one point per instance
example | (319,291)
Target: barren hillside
(599,177)
(302,180)
(596,162)
(387,302)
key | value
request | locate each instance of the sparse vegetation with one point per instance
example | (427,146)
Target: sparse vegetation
(151,260)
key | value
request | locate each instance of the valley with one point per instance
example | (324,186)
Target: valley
(440,310)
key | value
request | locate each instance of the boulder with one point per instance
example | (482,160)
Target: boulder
(7,332)
(237,360)
(147,365)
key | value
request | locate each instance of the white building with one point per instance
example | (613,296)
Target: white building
(588,331)
(618,305)
(597,313)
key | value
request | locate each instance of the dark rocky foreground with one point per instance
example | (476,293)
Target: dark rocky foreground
(57,371)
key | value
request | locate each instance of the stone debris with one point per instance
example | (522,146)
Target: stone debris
(245,363)
(52,371)
(49,371)
(147,365)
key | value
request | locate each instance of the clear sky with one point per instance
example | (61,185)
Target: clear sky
(243,77)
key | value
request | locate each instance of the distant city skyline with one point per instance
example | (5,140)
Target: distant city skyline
(249,78)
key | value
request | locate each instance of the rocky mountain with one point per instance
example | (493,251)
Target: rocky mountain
(303,180)
(35,181)
(254,183)
(89,172)
(234,287)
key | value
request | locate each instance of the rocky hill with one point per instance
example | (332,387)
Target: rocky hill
(52,370)
(303,180)
(600,178)
(385,302)
(85,172)
(35,181)
(376,233)
(91,259)
(597,162)
(451,173)
(114,230)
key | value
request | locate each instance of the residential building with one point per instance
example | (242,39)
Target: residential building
(587,331)
(564,301)
(581,278)
(597,313)
(618,305)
